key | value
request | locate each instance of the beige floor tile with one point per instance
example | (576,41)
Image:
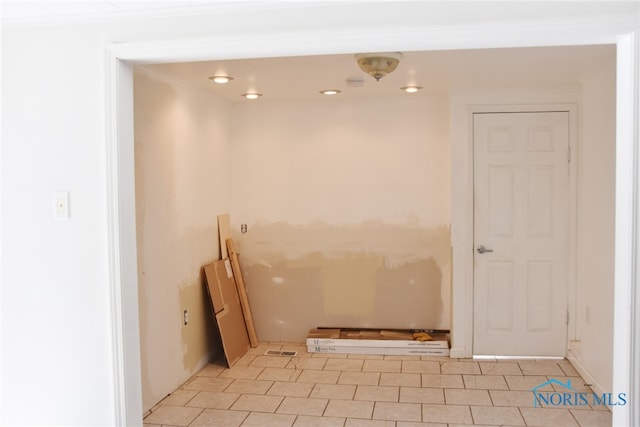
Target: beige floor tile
(368,423)
(446,414)
(212,370)
(412,424)
(460,368)
(307,421)
(401,357)
(442,381)
(540,367)
(307,363)
(290,389)
(241,372)
(349,408)
(256,402)
(457,396)
(218,417)
(394,411)
(377,393)
(577,384)
(344,365)
(302,406)
(495,415)
(249,386)
(500,368)
(407,380)
(257,419)
(334,391)
(568,368)
(179,397)
(382,366)
(245,360)
(487,382)
(173,415)
(359,378)
(315,376)
(520,382)
(279,374)
(512,398)
(213,400)
(547,417)
(421,395)
(270,361)
(365,356)
(420,367)
(207,384)
(592,418)
(330,355)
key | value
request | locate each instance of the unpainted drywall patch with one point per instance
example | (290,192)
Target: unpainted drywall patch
(368,276)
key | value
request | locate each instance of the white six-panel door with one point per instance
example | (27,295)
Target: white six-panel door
(521,181)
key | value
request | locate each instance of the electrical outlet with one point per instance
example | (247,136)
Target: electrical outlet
(185,318)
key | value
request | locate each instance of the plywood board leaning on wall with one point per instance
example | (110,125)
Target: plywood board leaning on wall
(242,292)
(226,305)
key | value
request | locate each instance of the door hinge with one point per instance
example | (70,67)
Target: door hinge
(569,155)
(567,317)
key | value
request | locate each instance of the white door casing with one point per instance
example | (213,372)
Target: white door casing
(521,188)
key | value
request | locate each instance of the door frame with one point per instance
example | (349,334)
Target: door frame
(120,203)
(572,211)
(463,107)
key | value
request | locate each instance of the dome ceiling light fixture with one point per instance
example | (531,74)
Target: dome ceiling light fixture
(378,65)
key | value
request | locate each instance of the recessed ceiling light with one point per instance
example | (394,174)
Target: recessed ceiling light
(221,79)
(330,92)
(411,89)
(252,95)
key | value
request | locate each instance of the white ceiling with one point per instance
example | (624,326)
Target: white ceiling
(301,78)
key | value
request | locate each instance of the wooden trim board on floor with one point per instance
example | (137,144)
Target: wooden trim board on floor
(242,293)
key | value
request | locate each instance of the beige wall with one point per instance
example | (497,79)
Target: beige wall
(595,226)
(182,162)
(347,206)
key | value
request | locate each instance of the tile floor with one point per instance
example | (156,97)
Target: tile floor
(327,390)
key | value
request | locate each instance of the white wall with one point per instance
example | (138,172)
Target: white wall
(596,226)
(347,204)
(183,182)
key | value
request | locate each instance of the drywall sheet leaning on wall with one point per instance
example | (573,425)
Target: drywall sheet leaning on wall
(226,305)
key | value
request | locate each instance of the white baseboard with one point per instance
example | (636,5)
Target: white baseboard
(585,374)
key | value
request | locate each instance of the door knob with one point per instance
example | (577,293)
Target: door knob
(481,249)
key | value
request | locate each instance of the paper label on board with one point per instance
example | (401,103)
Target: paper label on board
(227,265)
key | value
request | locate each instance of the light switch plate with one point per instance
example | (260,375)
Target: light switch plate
(61,204)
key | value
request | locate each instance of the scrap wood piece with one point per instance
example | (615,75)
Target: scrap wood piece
(242,293)
(224,232)
(324,333)
(233,332)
